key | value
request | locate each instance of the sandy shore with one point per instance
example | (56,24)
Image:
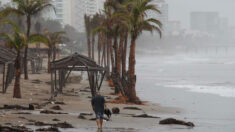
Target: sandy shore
(77,100)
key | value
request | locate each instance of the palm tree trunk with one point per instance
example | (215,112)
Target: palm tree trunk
(104,54)
(131,73)
(108,55)
(54,53)
(124,55)
(119,54)
(93,47)
(89,46)
(17,92)
(115,74)
(26,77)
(49,61)
(99,47)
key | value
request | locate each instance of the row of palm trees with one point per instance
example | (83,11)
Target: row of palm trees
(19,40)
(121,20)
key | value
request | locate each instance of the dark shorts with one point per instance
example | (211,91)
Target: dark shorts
(99,115)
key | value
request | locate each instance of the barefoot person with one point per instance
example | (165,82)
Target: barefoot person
(98,105)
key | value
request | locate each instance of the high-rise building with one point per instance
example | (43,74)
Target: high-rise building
(82,7)
(163,16)
(63,11)
(205,21)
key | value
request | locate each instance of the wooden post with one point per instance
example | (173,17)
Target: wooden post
(101,80)
(52,86)
(3,79)
(56,81)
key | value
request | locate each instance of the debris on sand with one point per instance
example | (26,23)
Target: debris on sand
(175,121)
(39,123)
(86,114)
(37,81)
(115,110)
(18,107)
(145,116)
(55,119)
(132,108)
(57,125)
(63,125)
(14,129)
(81,117)
(60,103)
(50,129)
(51,112)
(57,107)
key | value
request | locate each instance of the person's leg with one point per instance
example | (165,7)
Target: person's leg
(101,123)
(98,123)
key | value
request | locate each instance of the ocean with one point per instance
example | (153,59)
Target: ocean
(203,85)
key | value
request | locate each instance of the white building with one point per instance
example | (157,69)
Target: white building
(63,11)
(82,7)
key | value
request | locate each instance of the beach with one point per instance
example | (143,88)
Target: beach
(77,98)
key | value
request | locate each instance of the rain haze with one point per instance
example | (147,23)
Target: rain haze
(180,9)
(117,65)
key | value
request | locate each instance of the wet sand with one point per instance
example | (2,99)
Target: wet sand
(77,100)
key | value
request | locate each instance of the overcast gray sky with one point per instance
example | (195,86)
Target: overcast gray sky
(180,9)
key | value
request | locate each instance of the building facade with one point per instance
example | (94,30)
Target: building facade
(205,21)
(63,12)
(82,7)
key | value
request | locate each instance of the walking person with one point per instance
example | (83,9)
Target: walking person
(98,105)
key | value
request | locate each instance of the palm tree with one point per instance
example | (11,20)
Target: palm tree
(18,41)
(88,33)
(27,8)
(52,39)
(137,22)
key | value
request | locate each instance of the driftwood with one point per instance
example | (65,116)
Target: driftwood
(50,129)
(57,107)
(60,103)
(23,113)
(81,117)
(132,108)
(86,114)
(55,119)
(51,112)
(177,122)
(18,107)
(14,129)
(144,116)
(57,125)
(63,125)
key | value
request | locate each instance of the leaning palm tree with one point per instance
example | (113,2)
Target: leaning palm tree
(137,22)
(27,8)
(18,41)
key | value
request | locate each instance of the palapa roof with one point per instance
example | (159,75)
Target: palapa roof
(76,62)
(6,55)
